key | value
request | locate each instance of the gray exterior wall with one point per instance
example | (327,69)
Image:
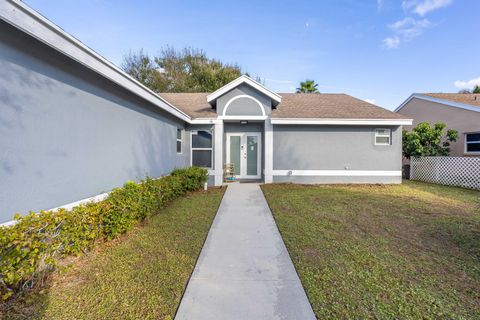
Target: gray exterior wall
(334,148)
(244,106)
(67,134)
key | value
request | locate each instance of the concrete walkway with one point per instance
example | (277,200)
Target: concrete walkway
(244,270)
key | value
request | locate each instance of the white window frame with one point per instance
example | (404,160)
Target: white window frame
(466,143)
(193,149)
(389,135)
(179,140)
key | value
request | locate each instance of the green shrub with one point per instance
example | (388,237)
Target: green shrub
(32,247)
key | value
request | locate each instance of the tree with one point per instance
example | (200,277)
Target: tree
(425,140)
(308,86)
(475,90)
(186,70)
(141,67)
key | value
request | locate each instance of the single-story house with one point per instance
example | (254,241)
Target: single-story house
(73,126)
(459,111)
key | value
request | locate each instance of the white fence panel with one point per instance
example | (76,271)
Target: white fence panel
(452,171)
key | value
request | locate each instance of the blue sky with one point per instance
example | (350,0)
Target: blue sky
(378,50)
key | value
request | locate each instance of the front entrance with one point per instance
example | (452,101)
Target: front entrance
(244,150)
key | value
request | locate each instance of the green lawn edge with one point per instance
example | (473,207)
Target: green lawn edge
(141,275)
(406,251)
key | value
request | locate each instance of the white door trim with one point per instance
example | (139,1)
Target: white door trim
(243,141)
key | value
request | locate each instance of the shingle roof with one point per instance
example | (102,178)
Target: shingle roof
(329,106)
(465,98)
(293,105)
(194,104)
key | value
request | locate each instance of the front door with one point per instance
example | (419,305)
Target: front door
(244,150)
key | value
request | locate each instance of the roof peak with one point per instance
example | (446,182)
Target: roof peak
(276,98)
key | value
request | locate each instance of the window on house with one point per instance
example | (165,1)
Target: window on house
(202,148)
(179,140)
(472,142)
(383,137)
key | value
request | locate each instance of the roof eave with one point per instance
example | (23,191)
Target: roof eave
(340,121)
(240,80)
(24,18)
(437,100)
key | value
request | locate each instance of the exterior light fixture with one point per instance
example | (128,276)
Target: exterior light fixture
(243,122)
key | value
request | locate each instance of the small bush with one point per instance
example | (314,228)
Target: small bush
(32,247)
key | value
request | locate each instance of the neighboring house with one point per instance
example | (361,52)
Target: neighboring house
(73,125)
(459,111)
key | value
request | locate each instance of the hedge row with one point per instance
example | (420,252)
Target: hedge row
(32,247)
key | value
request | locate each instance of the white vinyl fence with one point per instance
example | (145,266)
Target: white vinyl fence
(452,171)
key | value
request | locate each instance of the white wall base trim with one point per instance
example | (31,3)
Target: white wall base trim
(338,173)
(67,206)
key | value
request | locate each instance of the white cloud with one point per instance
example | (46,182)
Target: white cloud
(469,84)
(423,7)
(379,5)
(391,42)
(372,101)
(409,28)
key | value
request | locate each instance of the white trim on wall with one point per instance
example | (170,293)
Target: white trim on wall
(68,206)
(243,142)
(465,144)
(229,102)
(204,121)
(338,173)
(268,137)
(26,19)
(218,153)
(379,134)
(235,118)
(212,159)
(244,79)
(438,100)
(354,122)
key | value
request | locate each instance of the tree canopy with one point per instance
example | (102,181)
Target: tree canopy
(474,90)
(308,86)
(186,70)
(427,140)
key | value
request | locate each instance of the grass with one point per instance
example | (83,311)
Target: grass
(141,275)
(409,251)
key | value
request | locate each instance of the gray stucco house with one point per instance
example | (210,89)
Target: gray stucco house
(73,126)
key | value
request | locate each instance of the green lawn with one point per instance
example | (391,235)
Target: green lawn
(409,251)
(142,275)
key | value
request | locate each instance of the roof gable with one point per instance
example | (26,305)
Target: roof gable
(276,98)
(456,100)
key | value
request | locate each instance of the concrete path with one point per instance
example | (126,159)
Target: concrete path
(244,270)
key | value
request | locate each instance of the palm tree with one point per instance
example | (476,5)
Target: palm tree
(308,86)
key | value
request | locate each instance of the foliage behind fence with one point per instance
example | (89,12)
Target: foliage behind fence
(452,171)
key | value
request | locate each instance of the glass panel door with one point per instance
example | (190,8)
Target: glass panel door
(252,155)
(244,152)
(235,153)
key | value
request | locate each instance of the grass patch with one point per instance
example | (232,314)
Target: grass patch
(141,275)
(409,251)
